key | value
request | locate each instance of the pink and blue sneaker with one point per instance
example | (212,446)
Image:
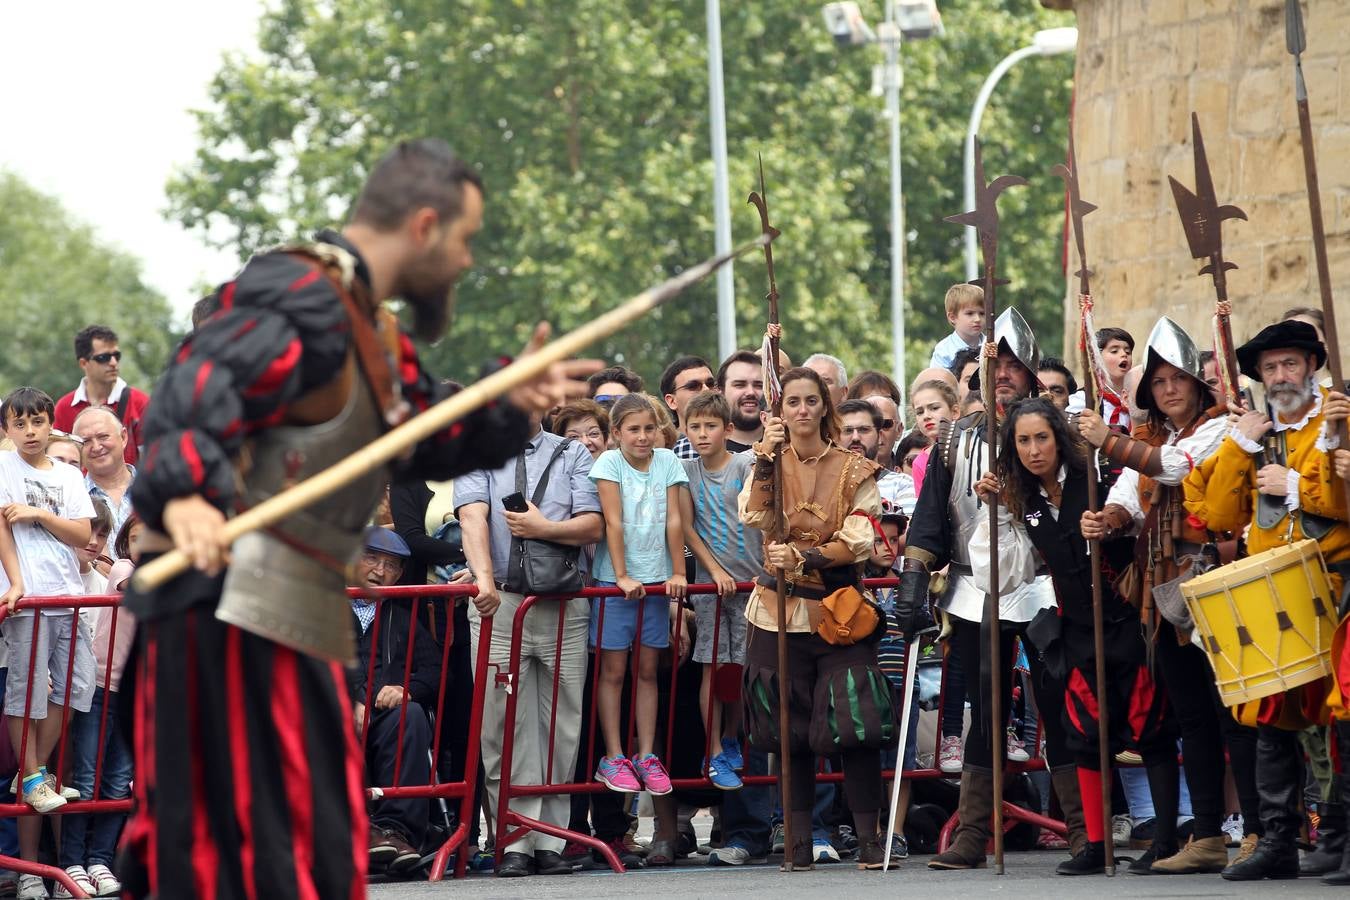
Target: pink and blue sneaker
(618,774)
(653,774)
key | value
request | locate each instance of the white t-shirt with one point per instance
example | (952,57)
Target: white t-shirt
(49,565)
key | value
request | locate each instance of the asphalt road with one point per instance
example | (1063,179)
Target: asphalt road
(1029,875)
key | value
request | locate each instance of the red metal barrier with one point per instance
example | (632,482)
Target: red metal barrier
(74,807)
(461,791)
(511,826)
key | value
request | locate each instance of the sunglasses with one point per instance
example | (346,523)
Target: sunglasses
(606,400)
(705,384)
(887,424)
(104,358)
(910,457)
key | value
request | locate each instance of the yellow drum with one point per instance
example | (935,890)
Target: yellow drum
(1265,621)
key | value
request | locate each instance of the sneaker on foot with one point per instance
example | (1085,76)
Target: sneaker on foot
(32,888)
(105,882)
(776,839)
(43,799)
(949,755)
(899,847)
(1121,826)
(82,881)
(618,774)
(723,775)
(731,749)
(732,855)
(824,852)
(1017,750)
(64,790)
(653,775)
(1232,829)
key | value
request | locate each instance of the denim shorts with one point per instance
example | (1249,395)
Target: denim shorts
(621,621)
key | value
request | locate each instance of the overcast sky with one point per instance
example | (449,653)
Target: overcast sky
(95,106)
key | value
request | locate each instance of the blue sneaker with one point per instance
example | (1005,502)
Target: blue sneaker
(731,749)
(722,775)
(824,852)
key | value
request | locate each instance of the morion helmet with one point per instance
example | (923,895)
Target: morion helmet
(1168,343)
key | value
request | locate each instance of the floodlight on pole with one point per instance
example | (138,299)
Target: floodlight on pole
(1049,42)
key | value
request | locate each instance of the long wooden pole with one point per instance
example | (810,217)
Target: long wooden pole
(778,533)
(1295,37)
(1098,628)
(417,429)
(1078,208)
(997,741)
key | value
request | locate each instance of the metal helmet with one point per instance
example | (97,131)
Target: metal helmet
(1168,343)
(1013,332)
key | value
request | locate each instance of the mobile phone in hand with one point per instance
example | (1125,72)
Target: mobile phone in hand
(515,503)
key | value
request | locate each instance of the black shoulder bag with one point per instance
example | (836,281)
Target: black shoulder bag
(542,567)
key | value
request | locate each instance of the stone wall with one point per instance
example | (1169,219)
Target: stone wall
(1142,67)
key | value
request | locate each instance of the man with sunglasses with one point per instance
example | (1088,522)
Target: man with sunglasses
(99,357)
(682,379)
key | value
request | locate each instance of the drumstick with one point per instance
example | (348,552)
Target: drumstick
(417,429)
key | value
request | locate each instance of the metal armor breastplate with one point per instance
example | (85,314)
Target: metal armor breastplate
(288,584)
(963,504)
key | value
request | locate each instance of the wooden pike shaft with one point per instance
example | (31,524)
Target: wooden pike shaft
(1098,627)
(998,744)
(1323,269)
(417,429)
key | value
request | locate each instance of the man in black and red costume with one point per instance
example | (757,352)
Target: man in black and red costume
(248,780)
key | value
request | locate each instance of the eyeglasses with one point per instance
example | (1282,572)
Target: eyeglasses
(706,384)
(887,424)
(859,429)
(381,561)
(594,434)
(104,358)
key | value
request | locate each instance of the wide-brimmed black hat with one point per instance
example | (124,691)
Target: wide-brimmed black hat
(1287,335)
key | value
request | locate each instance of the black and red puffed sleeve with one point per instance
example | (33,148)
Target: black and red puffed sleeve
(280,331)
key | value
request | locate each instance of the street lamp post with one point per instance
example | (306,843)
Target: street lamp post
(1050,42)
(717,120)
(905,19)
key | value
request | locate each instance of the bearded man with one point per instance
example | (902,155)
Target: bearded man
(248,778)
(740,379)
(1273,472)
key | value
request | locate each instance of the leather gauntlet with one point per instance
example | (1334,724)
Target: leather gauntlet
(1133,454)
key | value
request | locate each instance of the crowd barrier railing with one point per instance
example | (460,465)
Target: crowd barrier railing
(461,792)
(511,826)
(18,809)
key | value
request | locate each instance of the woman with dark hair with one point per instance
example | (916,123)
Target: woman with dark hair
(1181,426)
(869,382)
(828,495)
(1040,479)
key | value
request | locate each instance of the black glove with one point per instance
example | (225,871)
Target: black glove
(911,601)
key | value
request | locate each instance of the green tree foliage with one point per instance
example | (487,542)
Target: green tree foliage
(589,121)
(56,277)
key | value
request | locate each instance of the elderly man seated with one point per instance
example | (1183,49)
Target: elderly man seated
(397,825)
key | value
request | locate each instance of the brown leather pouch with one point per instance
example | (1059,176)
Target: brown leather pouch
(847,617)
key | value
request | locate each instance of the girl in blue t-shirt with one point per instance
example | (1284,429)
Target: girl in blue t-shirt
(643,547)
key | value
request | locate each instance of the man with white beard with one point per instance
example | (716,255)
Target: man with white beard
(1273,472)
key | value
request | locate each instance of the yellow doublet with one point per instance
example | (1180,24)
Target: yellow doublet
(1221,492)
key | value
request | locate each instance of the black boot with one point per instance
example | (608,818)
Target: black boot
(1341,733)
(1330,836)
(1143,864)
(1272,859)
(1091,860)
(1277,783)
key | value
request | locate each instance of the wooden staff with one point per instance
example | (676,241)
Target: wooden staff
(1296,41)
(395,442)
(1078,208)
(984,217)
(759,199)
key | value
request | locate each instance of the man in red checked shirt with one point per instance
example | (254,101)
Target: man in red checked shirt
(248,781)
